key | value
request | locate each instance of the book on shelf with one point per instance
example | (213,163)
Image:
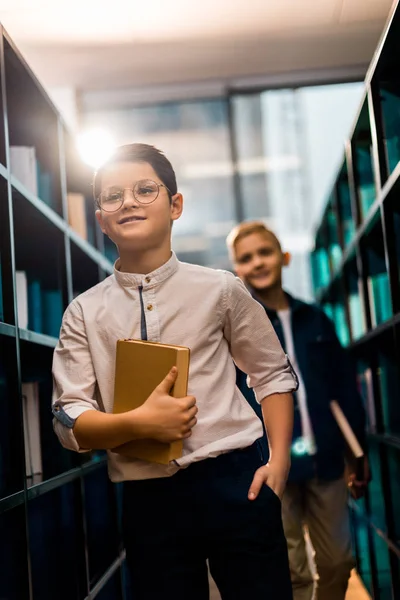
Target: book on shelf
(366,390)
(77,214)
(22,299)
(379,298)
(52,312)
(23,166)
(35,317)
(140,367)
(31,420)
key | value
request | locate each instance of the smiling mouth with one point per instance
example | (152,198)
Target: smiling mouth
(131,219)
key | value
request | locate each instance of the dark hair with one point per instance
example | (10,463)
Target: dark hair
(140,153)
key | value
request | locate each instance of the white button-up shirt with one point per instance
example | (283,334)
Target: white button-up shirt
(208,311)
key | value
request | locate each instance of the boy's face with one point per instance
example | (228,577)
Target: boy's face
(259,261)
(137,226)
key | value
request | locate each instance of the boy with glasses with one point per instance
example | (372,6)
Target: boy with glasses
(221,501)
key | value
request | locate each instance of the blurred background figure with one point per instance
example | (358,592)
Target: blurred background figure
(316,494)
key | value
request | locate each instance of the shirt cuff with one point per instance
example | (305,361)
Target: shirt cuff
(64,422)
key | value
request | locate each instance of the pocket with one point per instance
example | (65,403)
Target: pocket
(270,492)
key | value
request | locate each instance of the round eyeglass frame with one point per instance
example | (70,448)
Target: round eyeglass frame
(132,189)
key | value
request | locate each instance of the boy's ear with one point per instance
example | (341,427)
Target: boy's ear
(287,257)
(100,220)
(176,206)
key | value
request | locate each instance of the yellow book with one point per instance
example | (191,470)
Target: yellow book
(139,368)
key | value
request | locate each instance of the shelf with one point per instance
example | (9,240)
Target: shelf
(38,204)
(391,184)
(8,330)
(37,338)
(377,331)
(3,171)
(55,482)
(388,440)
(12,501)
(392,545)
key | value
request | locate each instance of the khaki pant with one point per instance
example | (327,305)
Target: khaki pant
(322,508)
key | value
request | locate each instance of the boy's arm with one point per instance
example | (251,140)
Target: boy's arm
(277,412)
(78,421)
(256,350)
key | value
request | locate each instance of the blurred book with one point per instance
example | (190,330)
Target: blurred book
(366,390)
(45,185)
(379,298)
(31,420)
(77,214)
(354,451)
(140,367)
(23,167)
(52,312)
(35,318)
(22,299)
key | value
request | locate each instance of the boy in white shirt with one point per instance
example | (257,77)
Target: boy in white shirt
(220,502)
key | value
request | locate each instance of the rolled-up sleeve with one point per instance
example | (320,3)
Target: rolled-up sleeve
(254,345)
(74,381)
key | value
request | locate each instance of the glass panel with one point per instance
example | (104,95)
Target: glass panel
(57,545)
(344,203)
(11,456)
(390,103)
(13,555)
(6,274)
(363,163)
(362,541)
(355,304)
(394,470)
(388,378)
(102,523)
(377,277)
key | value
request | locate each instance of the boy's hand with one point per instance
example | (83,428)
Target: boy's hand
(274,475)
(165,418)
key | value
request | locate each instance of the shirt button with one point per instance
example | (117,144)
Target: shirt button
(148,279)
(149,307)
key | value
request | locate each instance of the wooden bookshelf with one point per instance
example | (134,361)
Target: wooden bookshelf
(356,273)
(65,517)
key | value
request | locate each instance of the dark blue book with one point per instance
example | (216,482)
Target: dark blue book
(35,318)
(52,312)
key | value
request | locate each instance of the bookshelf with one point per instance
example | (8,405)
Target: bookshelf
(355,268)
(59,513)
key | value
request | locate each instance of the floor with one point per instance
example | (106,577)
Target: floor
(356,590)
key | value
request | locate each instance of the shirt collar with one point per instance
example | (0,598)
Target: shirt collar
(147,280)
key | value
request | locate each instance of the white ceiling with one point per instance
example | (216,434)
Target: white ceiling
(103,44)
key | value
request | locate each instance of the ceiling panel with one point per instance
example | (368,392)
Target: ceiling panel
(95,44)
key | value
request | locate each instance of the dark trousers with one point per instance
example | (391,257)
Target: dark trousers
(173,525)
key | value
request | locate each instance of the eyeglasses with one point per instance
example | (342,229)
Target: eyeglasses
(144,191)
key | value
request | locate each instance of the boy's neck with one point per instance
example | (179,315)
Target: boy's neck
(274,298)
(143,263)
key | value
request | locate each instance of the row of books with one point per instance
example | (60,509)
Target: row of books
(28,170)
(32,438)
(39,309)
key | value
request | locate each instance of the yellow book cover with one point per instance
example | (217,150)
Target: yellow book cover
(140,367)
